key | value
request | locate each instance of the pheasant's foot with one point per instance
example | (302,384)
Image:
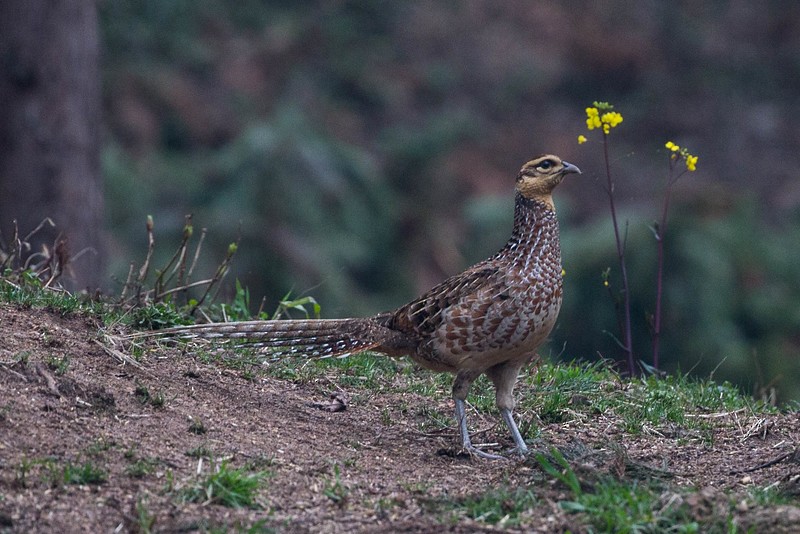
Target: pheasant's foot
(474,451)
(466,442)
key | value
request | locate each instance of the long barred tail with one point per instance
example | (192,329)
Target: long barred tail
(319,338)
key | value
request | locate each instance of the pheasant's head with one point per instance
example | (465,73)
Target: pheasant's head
(538,177)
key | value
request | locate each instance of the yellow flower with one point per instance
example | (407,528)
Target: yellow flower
(609,119)
(592,118)
(682,153)
(605,283)
(606,121)
(612,118)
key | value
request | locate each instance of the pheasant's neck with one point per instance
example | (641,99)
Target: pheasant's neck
(535,234)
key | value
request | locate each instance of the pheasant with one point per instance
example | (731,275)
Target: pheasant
(489,319)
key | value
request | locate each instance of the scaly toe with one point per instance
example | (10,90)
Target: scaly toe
(474,451)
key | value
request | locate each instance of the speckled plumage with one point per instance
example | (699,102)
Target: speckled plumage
(489,319)
(500,308)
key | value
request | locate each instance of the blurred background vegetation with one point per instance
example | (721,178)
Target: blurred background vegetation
(365,150)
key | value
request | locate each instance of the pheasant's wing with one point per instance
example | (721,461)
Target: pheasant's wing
(424,315)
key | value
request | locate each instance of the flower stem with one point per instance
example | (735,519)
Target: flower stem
(626,307)
(660,230)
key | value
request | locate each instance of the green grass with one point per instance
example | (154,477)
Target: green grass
(555,393)
(498,506)
(600,502)
(680,407)
(141,467)
(59,365)
(27,290)
(259,527)
(560,392)
(84,474)
(144,520)
(156,316)
(52,472)
(235,488)
(334,488)
(197,427)
(628,507)
(22,473)
(99,446)
(676,406)
(143,395)
(20,358)
(558,468)
(769,496)
(201,451)
(360,371)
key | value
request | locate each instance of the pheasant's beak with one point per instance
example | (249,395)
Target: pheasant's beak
(570,168)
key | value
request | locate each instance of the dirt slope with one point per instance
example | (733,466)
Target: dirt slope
(65,401)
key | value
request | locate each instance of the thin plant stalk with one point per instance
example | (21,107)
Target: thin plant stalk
(659,231)
(627,345)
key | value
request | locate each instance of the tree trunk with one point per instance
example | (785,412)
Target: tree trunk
(49,130)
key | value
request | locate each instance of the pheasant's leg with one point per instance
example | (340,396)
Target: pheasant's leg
(460,389)
(466,442)
(508,417)
(504,377)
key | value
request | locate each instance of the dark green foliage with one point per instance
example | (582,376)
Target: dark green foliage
(730,306)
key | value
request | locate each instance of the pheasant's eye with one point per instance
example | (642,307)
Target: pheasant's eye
(546,165)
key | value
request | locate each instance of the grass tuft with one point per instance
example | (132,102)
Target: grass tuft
(143,395)
(235,488)
(334,489)
(59,365)
(144,520)
(84,474)
(500,506)
(141,467)
(197,427)
(201,451)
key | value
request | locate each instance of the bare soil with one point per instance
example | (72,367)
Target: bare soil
(355,470)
